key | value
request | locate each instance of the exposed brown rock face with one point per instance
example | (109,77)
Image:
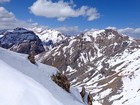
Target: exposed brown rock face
(87,98)
(61,80)
(96,60)
(82,93)
(22,41)
(90,99)
(31,58)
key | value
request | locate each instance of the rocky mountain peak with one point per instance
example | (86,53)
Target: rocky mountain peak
(21,40)
(20,29)
(100,35)
(97,60)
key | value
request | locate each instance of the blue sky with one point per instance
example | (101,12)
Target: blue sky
(76,15)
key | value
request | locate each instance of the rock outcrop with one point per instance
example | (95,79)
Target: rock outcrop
(61,80)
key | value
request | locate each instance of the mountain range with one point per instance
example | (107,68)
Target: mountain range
(105,62)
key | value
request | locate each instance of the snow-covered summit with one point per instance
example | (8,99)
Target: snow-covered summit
(48,34)
(22,83)
(49,37)
(103,34)
(94,33)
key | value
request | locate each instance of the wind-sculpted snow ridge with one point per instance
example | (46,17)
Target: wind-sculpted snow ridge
(105,62)
(23,83)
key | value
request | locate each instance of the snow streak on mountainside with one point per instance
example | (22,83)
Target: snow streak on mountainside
(105,62)
(49,37)
(23,83)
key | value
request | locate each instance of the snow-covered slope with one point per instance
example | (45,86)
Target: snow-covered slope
(23,83)
(49,37)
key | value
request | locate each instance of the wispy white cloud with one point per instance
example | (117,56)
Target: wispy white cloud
(110,27)
(2,1)
(9,21)
(69,30)
(62,10)
(133,32)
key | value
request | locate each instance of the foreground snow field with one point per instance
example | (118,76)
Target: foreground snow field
(22,83)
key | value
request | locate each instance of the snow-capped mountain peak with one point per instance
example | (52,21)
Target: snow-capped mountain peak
(49,37)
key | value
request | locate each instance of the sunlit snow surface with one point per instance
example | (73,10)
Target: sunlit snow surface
(22,83)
